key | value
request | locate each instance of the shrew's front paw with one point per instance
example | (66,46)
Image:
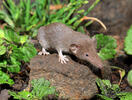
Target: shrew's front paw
(63,59)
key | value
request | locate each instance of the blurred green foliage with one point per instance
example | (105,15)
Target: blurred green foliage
(13,50)
(129,77)
(27,17)
(5,78)
(112,91)
(106,46)
(128,50)
(40,89)
(128,42)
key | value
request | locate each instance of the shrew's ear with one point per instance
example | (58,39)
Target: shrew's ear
(74,48)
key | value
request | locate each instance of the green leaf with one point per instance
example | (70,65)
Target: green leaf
(129,77)
(34,34)
(3,64)
(2,50)
(14,61)
(81,29)
(91,7)
(17,53)
(28,51)
(13,9)
(11,36)
(81,11)
(5,79)
(108,90)
(107,46)
(105,53)
(13,68)
(4,16)
(24,53)
(125,95)
(42,88)
(104,97)
(1,41)
(27,12)
(21,95)
(1,34)
(23,39)
(101,85)
(128,42)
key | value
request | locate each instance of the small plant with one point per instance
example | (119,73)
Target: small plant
(128,50)
(106,46)
(40,89)
(120,71)
(112,91)
(13,50)
(24,17)
(5,78)
(128,42)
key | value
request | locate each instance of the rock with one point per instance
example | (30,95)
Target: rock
(4,95)
(72,80)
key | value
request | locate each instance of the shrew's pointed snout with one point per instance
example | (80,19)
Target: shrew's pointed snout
(99,63)
(96,61)
(100,66)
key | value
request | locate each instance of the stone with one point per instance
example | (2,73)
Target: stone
(4,95)
(72,80)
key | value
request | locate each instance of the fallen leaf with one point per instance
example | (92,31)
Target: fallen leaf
(56,7)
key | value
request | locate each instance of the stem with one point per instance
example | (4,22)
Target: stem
(91,7)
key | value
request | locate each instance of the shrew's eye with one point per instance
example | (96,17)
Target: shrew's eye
(87,55)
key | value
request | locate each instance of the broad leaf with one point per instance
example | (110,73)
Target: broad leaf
(129,77)
(125,95)
(128,42)
(28,51)
(21,95)
(2,50)
(13,68)
(106,46)
(103,97)
(1,41)
(11,36)
(4,16)
(108,90)
(42,88)
(5,79)
(1,33)
(23,39)
(3,64)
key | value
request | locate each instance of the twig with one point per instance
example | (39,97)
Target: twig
(94,19)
